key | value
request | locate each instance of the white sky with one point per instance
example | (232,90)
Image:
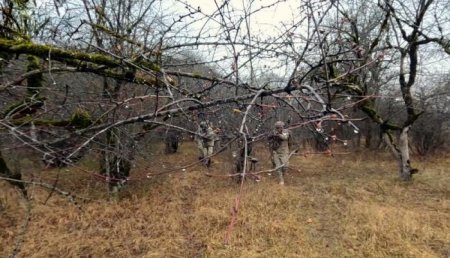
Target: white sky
(283,11)
(265,23)
(265,20)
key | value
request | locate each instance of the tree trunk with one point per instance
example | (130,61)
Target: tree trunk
(115,163)
(404,162)
(4,170)
(320,143)
(117,154)
(172,139)
(358,140)
(368,140)
(401,153)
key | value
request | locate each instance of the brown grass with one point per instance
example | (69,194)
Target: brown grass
(346,206)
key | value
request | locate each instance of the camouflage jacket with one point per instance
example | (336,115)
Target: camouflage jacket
(281,142)
(205,137)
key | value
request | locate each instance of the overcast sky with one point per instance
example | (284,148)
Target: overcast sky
(265,21)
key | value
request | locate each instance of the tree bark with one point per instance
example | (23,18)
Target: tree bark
(401,153)
(404,162)
(117,154)
(114,164)
(4,169)
(368,140)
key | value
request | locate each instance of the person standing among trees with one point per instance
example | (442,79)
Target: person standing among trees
(205,141)
(280,143)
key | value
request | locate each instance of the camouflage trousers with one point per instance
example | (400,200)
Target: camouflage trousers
(205,152)
(278,160)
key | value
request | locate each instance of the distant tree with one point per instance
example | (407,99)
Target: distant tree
(358,43)
(431,131)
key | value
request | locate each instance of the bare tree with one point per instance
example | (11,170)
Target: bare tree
(430,131)
(100,74)
(363,57)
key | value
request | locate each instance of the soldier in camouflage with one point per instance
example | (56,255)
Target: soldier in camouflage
(205,141)
(280,143)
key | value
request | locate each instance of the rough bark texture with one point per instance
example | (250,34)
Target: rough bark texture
(401,153)
(114,165)
(405,166)
(5,171)
(118,149)
(102,64)
(172,139)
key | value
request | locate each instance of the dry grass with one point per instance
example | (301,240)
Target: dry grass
(346,206)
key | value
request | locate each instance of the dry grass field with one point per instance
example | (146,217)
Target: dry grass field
(349,205)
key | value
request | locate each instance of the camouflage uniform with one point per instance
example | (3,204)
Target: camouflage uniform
(280,142)
(205,141)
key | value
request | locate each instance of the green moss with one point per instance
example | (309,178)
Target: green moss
(22,4)
(196,75)
(81,118)
(62,55)
(447,50)
(148,65)
(27,47)
(85,62)
(353,88)
(369,108)
(152,66)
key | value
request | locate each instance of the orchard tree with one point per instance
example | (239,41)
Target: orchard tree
(100,75)
(431,131)
(368,49)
